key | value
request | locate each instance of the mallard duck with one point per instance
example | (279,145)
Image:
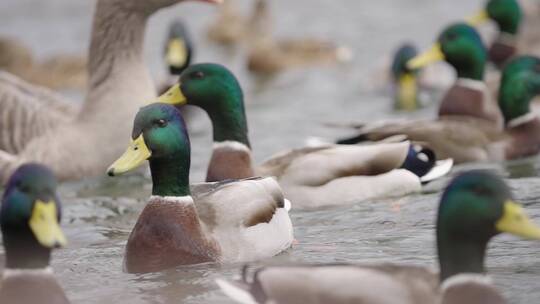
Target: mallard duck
(29,219)
(468,127)
(179,49)
(118,79)
(475,207)
(229,221)
(178,53)
(310,177)
(406,84)
(467,139)
(516,33)
(57,72)
(268,55)
(461,46)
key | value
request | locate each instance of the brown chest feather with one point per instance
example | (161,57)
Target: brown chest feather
(168,234)
(464,101)
(229,164)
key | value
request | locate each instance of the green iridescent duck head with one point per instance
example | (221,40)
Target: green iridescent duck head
(505,13)
(159,136)
(179,48)
(30,217)
(461,46)
(406,97)
(520,83)
(475,207)
(216,90)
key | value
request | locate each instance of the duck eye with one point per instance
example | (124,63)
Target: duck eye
(197,75)
(161,123)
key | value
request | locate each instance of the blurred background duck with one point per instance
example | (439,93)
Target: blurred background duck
(29,219)
(467,138)
(406,87)
(56,72)
(517,31)
(268,55)
(310,177)
(229,221)
(118,79)
(178,53)
(475,207)
(461,47)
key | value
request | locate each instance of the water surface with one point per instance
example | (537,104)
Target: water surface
(100,213)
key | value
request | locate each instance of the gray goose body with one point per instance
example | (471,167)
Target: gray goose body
(119,84)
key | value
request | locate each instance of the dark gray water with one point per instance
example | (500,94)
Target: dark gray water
(99,214)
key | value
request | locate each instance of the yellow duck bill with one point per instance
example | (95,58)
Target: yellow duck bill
(173,96)
(176,53)
(135,155)
(515,221)
(44,225)
(426,58)
(478,18)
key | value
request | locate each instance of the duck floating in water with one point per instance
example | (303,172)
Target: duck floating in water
(310,177)
(29,220)
(474,208)
(517,32)
(269,55)
(119,84)
(470,126)
(406,91)
(228,221)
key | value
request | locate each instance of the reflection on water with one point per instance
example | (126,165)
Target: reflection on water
(100,213)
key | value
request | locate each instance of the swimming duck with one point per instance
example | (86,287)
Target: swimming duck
(406,91)
(517,33)
(29,219)
(118,79)
(310,177)
(57,72)
(466,138)
(178,53)
(228,221)
(461,46)
(179,49)
(268,55)
(475,207)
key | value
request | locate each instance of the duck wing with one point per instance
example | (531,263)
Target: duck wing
(319,165)
(237,203)
(27,111)
(461,138)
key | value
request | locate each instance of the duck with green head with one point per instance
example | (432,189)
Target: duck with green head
(507,15)
(466,130)
(405,79)
(475,207)
(178,52)
(310,177)
(230,221)
(520,85)
(461,46)
(29,219)
(178,48)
